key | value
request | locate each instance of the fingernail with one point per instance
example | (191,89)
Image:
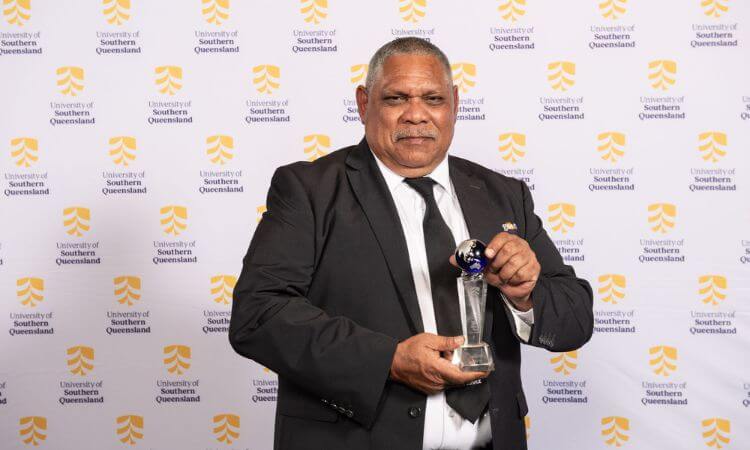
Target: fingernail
(458,340)
(490,252)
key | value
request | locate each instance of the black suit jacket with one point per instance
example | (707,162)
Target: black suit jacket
(326,293)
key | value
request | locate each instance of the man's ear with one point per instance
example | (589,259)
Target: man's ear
(362,97)
(455,102)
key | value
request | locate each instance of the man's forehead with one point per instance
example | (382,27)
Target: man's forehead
(416,69)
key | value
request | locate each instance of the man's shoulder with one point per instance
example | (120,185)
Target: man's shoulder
(478,171)
(320,170)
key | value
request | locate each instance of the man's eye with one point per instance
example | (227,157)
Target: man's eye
(394,99)
(434,99)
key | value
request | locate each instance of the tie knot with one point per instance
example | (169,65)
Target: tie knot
(423,185)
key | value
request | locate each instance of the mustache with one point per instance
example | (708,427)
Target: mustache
(415,133)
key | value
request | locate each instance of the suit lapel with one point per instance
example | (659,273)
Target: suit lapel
(373,195)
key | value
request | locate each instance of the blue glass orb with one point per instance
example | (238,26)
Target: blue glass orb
(470,256)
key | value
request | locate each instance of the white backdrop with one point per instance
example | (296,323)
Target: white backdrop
(138,140)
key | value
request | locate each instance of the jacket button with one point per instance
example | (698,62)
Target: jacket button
(415,412)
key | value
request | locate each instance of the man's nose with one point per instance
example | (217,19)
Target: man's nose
(415,111)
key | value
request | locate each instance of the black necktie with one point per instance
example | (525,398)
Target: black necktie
(469,401)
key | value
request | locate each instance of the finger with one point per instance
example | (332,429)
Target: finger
(496,244)
(443,343)
(506,252)
(452,260)
(529,272)
(454,376)
(513,266)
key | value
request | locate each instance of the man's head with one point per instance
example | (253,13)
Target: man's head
(409,106)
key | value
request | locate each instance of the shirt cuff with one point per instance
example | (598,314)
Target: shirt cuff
(523,320)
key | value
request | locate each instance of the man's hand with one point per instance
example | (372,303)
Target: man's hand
(419,363)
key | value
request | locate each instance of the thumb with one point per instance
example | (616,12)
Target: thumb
(443,343)
(452,260)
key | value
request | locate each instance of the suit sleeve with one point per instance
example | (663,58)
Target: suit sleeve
(274,323)
(563,303)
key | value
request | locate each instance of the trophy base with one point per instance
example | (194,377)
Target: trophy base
(474,358)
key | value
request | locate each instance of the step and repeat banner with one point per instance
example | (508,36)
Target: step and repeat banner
(139,137)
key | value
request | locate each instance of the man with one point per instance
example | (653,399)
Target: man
(348,292)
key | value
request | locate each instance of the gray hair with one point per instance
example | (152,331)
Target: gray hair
(405,46)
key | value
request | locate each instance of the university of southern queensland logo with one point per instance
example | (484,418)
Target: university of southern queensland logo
(122,150)
(412,10)
(80,360)
(562,216)
(129,428)
(168,79)
(30,291)
(714,8)
(24,151)
(716,432)
(565,363)
(222,286)
(613,9)
(17,12)
(116,12)
(612,288)
(615,430)
(561,75)
(226,428)
(260,210)
(70,80)
(266,78)
(512,146)
(314,11)
(662,74)
(663,360)
(127,289)
(464,76)
(662,217)
(712,289)
(512,10)
(358,74)
(76,220)
(215,12)
(611,145)
(220,149)
(177,358)
(32,430)
(173,219)
(712,145)
(316,145)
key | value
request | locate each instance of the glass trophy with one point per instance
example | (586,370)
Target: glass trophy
(474,355)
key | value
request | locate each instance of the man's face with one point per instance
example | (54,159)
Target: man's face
(409,114)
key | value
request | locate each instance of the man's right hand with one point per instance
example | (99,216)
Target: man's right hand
(418,363)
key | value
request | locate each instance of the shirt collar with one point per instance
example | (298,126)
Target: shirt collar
(441,174)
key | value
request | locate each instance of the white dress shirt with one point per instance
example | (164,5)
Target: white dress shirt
(443,427)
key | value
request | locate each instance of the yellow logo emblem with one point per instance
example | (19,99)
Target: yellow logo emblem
(116,12)
(464,75)
(219,149)
(714,8)
(314,11)
(70,80)
(122,150)
(712,289)
(662,74)
(222,287)
(127,289)
(716,432)
(612,287)
(561,216)
(512,146)
(661,217)
(512,10)
(260,210)
(177,358)
(227,428)
(17,12)
(130,429)
(527,425)
(358,73)
(32,429)
(565,363)
(215,12)
(412,10)
(663,359)
(168,79)
(24,151)
(611,145)
(712,145)
(316,145)
(561,75)
(76,220)
(615,430)
(612,9)
(266,78)
(30,291)
(80,360)
(173,219)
